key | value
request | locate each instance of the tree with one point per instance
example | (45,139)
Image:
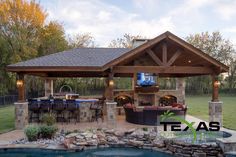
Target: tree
(81,41)
(231,79)
(20,24)
(52,39)
(214,45)
(124,42)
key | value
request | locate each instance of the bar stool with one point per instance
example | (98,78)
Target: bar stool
(34,110)
(72,110)
(59,108)
(98,108)
(45,106)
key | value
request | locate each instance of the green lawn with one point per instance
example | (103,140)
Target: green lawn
(7,118)
(198,106)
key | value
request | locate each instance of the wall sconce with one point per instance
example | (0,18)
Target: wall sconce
(216,83)
(19,83)
(111,83)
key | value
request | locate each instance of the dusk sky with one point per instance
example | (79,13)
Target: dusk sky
(108,19)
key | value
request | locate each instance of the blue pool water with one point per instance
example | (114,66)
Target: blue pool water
(101,152)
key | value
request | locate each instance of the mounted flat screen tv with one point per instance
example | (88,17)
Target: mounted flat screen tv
(146,79)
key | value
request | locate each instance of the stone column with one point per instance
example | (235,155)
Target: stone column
(21,115)
(111,114)
(215,106)
(180,87)
(215,112)
(48,86)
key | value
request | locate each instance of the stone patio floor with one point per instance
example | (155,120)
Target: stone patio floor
(121,124)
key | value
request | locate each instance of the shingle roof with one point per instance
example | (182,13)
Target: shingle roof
(76,57)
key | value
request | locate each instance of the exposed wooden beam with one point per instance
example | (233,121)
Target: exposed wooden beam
(164,69)
(197,51)
(174,57)
(154,57)
(164,54)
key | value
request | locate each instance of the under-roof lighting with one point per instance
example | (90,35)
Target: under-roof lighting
(189,61)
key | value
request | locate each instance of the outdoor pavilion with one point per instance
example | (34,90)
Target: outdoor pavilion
(166,55)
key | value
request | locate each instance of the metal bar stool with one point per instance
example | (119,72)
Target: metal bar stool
(98,108)
(59,108)
(34,110)
(72,110)
(45,106)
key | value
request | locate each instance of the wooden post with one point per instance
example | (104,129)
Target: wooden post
(109,87)
(21,87)
(164,54)
(215,89)
(134,80)
(48,86)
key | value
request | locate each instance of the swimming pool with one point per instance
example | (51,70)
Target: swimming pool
(100,152)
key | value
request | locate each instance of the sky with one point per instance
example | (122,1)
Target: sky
(106,20)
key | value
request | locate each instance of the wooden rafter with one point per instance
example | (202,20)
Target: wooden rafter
(154,57)
(174,57)
(164,54)
(163,69)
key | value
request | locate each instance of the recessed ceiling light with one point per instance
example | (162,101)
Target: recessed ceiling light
(189,61)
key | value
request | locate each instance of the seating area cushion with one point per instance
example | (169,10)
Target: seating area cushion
(150,115)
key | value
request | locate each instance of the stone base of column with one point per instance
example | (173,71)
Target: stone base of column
(21,115)
(111,114)
(215,112)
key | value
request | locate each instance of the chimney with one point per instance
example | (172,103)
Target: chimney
(138,42)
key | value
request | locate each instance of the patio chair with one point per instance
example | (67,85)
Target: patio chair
(34,110)
(72,110)
(59,108)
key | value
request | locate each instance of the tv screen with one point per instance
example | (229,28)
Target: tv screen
(146,79)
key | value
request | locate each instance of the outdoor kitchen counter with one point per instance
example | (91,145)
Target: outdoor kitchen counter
(85,113)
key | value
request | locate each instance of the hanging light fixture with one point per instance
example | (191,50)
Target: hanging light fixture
(19,80)
(111,83)
(19,83)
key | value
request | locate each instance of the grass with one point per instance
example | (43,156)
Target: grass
(7,118)
(198,107)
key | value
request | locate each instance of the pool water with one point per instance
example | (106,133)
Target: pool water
(101,152)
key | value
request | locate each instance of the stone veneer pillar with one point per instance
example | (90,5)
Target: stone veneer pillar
(180,87)
(111,114)
(48,85)
(215,112)
(21,115)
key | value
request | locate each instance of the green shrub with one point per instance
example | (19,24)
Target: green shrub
(32,132)
(47,131)
(49,119)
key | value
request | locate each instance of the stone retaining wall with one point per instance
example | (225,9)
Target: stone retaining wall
(193,150)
